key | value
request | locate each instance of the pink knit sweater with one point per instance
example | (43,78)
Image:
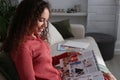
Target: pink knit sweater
(33,61)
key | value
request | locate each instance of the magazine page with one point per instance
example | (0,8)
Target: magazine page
(80,66)
(76,44)
(60,47)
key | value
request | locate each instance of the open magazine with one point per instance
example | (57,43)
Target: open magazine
(80,66)
(72,44)
(76,44)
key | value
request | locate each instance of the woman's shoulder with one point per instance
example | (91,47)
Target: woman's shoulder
(32,42)
(29,40)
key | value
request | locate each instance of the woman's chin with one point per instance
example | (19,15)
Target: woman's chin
(39,33)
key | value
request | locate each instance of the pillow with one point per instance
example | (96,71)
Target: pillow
(54,36)
(7,67)
(64,28)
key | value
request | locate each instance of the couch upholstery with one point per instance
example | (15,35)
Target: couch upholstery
(78,31)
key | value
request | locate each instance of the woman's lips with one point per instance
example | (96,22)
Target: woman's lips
(40,30)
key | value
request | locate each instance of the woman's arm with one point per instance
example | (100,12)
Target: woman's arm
(109,76)
(24,64)
(56,59)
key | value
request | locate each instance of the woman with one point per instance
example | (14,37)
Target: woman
(27,42)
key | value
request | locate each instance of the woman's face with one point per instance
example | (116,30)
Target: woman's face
(42,23)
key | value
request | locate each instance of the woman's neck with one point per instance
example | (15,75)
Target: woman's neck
(33,35)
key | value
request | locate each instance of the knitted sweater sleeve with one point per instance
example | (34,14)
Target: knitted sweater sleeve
(24,65)
(56,59)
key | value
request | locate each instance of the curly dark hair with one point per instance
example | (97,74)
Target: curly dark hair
(24,23)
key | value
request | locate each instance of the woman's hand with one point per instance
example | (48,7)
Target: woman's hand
(109,76)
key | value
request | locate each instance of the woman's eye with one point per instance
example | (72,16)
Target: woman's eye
(41,20)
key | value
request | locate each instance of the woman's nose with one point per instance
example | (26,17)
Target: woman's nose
(45,23)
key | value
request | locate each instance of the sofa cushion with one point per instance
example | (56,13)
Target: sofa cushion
(7,67)
(54,36)
(64,28)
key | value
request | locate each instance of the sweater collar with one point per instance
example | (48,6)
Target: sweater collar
(33,38)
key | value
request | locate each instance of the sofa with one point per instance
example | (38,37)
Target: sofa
(78,30)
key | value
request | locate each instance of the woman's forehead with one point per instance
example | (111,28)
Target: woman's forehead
(45,15)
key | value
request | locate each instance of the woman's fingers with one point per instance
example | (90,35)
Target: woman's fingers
(109,76)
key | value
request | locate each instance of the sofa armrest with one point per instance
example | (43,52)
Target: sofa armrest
(78,30)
